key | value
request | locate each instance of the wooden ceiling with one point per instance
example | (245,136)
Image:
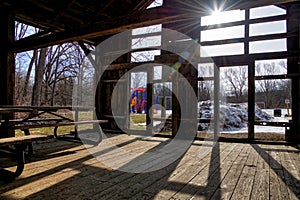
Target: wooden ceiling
(91,20)
(66,14)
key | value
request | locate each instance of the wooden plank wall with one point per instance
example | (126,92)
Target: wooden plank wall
(122,65)
(111,76)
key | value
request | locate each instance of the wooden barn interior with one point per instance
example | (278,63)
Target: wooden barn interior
(235,168)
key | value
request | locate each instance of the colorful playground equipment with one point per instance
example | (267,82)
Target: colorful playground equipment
(138,101)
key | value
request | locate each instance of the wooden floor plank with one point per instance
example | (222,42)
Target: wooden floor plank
(290,175)
(278,189)
(156,187)
(190,171)
(199,182)
(231,178)
(261,188)
(215,178)
(63,170)
(244,185)
(109,179)
(294,155)
(134,186)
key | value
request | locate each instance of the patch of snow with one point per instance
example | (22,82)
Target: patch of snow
(233,117)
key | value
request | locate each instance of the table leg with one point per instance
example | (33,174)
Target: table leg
(20,158)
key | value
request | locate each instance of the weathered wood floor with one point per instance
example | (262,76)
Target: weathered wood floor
(64,170)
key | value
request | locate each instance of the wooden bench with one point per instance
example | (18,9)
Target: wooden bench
(20,143)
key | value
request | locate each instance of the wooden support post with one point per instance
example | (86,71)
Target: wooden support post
(189,72)
(293,44)
(216,103)
(175,105)
(149,115)
(251,99)
(297,107)
(7,62)
(251,80)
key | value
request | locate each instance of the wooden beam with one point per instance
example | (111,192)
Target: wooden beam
(234,60)
(271,77)
(136,20)
(240,23)
(64,7)
(100,11)
(142,4)
(250,39)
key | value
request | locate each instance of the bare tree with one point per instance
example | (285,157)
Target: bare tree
(55,70)
(38,78)
(205,87)
(25,62)
(236,81)
(63,64)
(268,88)
(138,79)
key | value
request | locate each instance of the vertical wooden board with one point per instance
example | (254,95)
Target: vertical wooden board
(175,105)
(150,103)
(293,45)
(7,64)
(251,99)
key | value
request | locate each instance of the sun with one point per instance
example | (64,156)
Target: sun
(219,16)
(215,17)
(216,13)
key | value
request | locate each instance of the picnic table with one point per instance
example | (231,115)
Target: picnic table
(32,120)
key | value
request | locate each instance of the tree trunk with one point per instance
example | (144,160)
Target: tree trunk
(38,78)
(25,89)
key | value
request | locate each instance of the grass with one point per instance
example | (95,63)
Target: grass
(137,121)
(138,118)
(62,130)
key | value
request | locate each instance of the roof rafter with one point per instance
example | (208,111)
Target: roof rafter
(172,11)
(139,19)
(101,10)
